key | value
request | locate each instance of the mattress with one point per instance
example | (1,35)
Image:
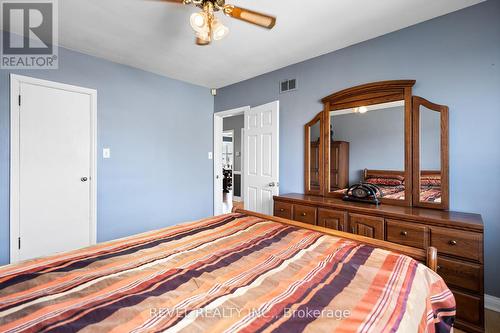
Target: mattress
(230,273)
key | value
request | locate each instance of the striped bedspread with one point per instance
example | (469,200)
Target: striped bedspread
(232,273)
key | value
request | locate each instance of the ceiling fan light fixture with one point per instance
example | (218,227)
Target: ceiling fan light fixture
(204,36)
(199,22)
(219,30)
(206,25)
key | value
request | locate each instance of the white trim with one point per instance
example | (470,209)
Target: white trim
(232,112)
(228,134)
(217,156)
(242,164)
(15,83)
(492,303)
(14,166)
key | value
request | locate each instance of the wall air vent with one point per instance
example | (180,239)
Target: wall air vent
(288,85)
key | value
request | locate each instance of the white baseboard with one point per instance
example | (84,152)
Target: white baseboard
(492,303)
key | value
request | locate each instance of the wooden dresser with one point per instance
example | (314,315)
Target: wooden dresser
(458,238)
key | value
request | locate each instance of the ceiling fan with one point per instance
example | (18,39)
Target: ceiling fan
(206,25)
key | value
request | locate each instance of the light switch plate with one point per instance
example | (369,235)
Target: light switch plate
(210,156)
(106,153)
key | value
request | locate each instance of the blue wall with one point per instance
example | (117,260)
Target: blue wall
(455,60)
(159,173)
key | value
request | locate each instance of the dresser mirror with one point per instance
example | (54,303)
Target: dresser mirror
(314,156)
(430,127)
(368,139)
(380,134)
(367,145)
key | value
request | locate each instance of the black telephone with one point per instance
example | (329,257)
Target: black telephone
(363,192)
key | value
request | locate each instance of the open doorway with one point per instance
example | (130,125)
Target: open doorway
(232,154)
(228,160)
(246,158)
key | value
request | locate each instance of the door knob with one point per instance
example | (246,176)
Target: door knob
(273,184)
(84,179)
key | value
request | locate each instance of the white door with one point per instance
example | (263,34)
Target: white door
(261,171)
(54,170)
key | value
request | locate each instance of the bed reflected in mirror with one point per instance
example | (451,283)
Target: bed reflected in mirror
(368,146)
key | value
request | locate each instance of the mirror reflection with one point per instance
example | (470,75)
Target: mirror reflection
(430,155)
(314,160)
(368,146)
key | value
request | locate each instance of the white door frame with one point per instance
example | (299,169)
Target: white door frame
(217,156)
(15,82)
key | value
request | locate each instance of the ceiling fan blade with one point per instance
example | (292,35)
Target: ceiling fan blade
(250,16)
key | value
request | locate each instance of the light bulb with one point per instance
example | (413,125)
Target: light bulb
(219,30)
(363,109)
(199,22)
(204,37)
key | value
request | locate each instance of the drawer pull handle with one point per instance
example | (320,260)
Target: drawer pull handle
(452,242)
(438,268)
(404,233)
(303,214)
(282,210)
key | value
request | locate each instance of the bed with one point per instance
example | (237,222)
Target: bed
(392,184)
(241,272)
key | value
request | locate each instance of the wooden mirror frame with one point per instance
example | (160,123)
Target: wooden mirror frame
(364,95)
(307,155)
(443,110)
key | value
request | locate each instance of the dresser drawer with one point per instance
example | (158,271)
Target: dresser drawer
(332,219)
(458,243)
(406,233)
(460,274)
(305,214)
(365,225)
(469,308)
(283,209)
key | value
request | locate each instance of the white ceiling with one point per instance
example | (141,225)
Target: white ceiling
(157,37)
